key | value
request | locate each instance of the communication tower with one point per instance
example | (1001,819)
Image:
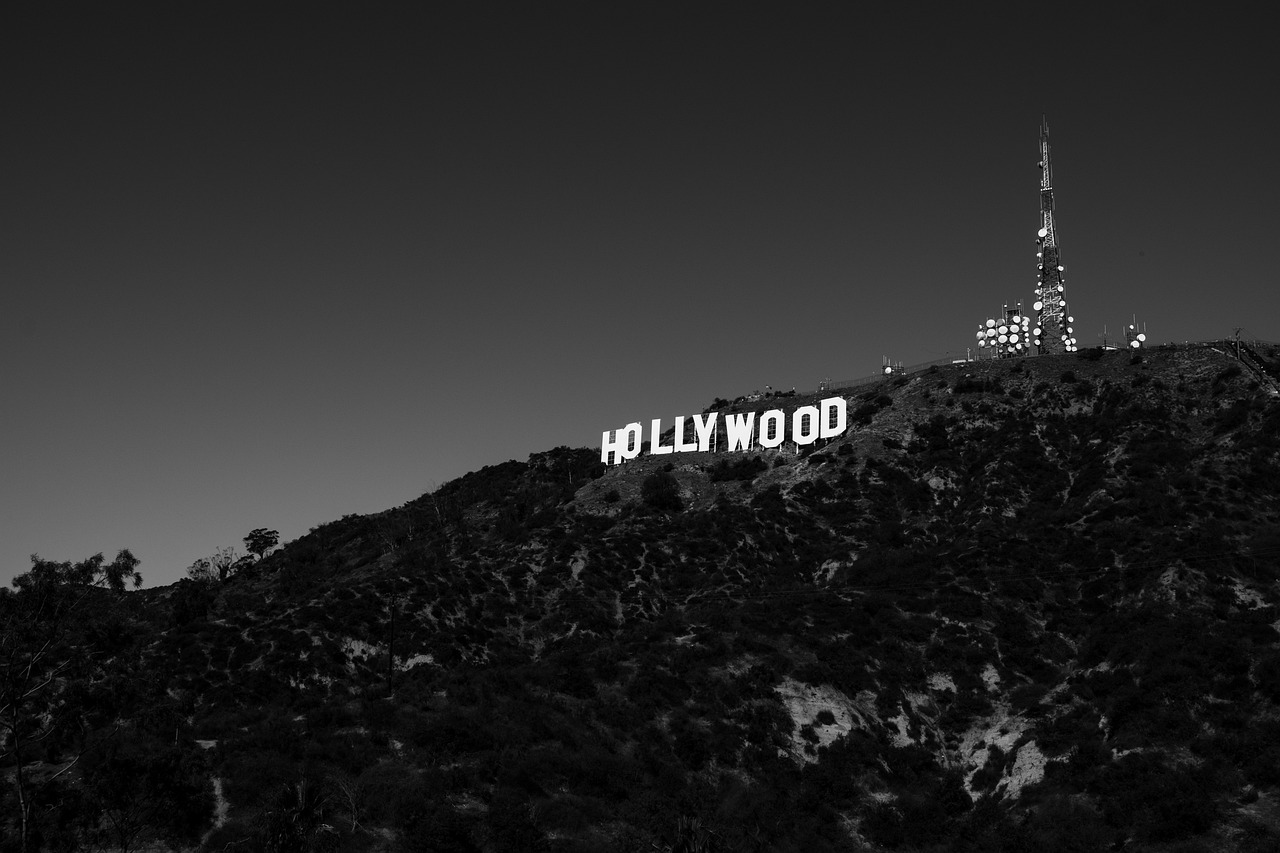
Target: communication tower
(1008,335)
(1136,335)
(1053,332)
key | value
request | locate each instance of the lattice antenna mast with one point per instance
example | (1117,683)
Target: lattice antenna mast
(1053,332)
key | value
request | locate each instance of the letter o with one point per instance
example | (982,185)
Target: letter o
(772,424)
(805,415)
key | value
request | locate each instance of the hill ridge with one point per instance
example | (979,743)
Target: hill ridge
(1015,597)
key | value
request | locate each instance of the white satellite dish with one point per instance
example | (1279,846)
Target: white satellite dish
(1004,339)
(1037,342)
(1134,344)
(1142,337)
(1071,319)
(1062,269)
(1013,339)
(991,324)
(1042,232)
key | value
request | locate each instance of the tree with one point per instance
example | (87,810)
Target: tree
(138,785)
(260,541)
(661,491)
(203,572)
(46,634)
(224,563)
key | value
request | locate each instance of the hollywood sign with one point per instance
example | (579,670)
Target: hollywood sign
(741,431)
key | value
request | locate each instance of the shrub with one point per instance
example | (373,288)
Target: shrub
(1230,372)
(744,469)
(976,386)
(661,491)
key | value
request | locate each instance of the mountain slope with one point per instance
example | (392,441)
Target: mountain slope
(1026,603)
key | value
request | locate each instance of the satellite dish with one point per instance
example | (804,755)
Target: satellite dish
(1061,288)
(1042,232)
(991,324)
(888,370)
(1131,327)
(1004,339)
(1134,344)
(1004,330)
(1013,339)
(1037,331)
(1037,342)
(1062,269)
(1142,337)
(991,333)
(1070,331)
(1071,319)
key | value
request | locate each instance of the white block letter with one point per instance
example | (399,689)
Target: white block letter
(655,439)
(834,416)
(625,444)
(704,426)
(738,429)
(805,416)
(771,427)
(681,447)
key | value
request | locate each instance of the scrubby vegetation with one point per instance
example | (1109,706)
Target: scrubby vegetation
(1040,618)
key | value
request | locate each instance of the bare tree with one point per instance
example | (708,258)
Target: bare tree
(224,561)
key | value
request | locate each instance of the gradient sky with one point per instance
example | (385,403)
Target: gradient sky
(264,269)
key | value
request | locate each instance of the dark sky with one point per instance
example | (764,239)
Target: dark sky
(267,269)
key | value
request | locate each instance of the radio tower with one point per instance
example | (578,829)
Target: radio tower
(1053,330)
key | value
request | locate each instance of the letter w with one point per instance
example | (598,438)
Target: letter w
(738,430)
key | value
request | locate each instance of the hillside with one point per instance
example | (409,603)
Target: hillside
(1019,605)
